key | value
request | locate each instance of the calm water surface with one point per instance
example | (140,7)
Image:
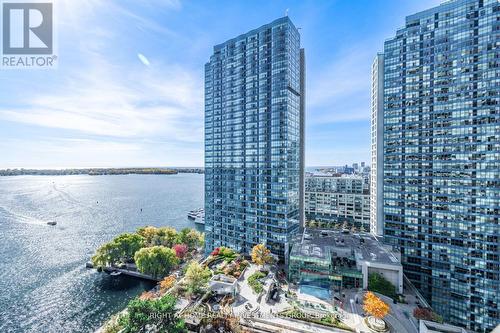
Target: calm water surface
(44,286)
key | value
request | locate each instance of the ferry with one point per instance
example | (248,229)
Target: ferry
(198,215)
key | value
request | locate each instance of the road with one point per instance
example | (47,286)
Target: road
(396,317)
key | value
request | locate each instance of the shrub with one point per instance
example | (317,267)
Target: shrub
(254,283)
(379,284)
(427,314)
(227,254)
(167,283)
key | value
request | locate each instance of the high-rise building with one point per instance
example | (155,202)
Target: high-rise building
(377,144)
(442,157)
(254,114)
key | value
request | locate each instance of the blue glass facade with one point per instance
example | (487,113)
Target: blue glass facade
(442,157)
(253,139)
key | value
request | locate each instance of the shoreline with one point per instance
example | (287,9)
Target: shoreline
(98,171)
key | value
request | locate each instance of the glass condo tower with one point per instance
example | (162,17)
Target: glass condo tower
(442,157)
(254,115)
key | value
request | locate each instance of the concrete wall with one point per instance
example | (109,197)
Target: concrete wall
(431,327)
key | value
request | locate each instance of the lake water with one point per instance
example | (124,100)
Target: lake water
(44,286)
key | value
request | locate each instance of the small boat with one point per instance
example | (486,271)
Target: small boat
(89,265)
(52,223)
(196,214)
(200,219)
(115,273)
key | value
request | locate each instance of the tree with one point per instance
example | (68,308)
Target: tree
(378,283)
(148,233)
(128,245)
(122,248)
(192,238)
(167,283)
(261,255)
(180,250)
(158,313)
(375,306)
(166,236)
(196,277)
(106,255)
(156,261)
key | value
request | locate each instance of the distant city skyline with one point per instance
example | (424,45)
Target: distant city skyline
(128,91)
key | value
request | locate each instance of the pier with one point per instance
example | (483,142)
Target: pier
(126,271)
(132,273)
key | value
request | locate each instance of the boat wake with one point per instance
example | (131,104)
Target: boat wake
(20,218)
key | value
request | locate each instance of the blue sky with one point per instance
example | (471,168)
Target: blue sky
(128,90)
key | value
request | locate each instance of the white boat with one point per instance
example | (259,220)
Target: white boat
(200,219)
(198,215)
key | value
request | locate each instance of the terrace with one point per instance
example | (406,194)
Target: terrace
(258,296)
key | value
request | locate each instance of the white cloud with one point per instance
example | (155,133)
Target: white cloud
(164,103)
(143,59)
(105,106)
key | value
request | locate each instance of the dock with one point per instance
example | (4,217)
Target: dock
(131,273)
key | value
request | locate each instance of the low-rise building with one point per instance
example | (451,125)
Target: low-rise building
(341,200)
(224,285)
(322,260)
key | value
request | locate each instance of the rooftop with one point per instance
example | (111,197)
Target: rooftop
(324,244)
(284,19)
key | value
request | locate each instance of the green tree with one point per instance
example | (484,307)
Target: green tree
(128,245)
(156,261)
(166,236)
(379,284)
(196,277)
(158,313)
(106,255)
(192,238)
(120,249)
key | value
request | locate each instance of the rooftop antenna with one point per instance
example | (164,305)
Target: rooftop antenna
(286,12)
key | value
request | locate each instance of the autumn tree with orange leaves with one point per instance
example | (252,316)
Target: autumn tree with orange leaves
(375,306)
(261,255)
